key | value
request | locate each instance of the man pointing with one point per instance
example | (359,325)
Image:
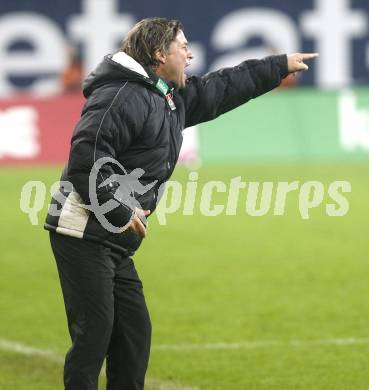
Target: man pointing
(138,102)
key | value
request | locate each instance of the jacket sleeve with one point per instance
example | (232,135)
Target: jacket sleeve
(217,92)
(106,129)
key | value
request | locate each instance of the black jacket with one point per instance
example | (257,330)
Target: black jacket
(126,118)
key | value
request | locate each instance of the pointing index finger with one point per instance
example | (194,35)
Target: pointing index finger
(309,56)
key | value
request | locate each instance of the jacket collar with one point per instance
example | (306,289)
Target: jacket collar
(128,62)
(146,71)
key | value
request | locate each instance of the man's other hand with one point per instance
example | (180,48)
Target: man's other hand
(296,61)
(136,224)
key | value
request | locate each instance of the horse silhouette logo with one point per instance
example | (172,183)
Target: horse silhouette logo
(123,186)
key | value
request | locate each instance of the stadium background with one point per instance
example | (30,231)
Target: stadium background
(237,302)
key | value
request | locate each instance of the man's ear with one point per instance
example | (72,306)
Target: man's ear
(160,56)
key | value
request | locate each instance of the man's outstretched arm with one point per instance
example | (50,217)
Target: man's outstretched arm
(217,92)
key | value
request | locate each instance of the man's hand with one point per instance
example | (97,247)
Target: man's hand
(136,225)
(296,61)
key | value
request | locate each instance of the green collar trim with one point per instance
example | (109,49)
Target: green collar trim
(162,86)
(167,92)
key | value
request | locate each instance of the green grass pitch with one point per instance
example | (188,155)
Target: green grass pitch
(237,302)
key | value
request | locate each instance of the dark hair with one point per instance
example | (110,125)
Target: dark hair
(148,36)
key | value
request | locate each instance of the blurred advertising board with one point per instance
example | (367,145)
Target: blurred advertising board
(37,130)
(285,125)
(291,125)
(34,36)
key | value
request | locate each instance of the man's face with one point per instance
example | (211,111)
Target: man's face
(175,61)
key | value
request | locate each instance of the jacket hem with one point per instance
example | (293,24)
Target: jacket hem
(89,237)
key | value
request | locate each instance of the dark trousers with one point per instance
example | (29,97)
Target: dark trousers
(107,315)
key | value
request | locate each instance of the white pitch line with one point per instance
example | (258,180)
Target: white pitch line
(340,342)
(161,385)
(53,356)
(13,346)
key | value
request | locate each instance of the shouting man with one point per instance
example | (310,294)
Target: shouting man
(124,147)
